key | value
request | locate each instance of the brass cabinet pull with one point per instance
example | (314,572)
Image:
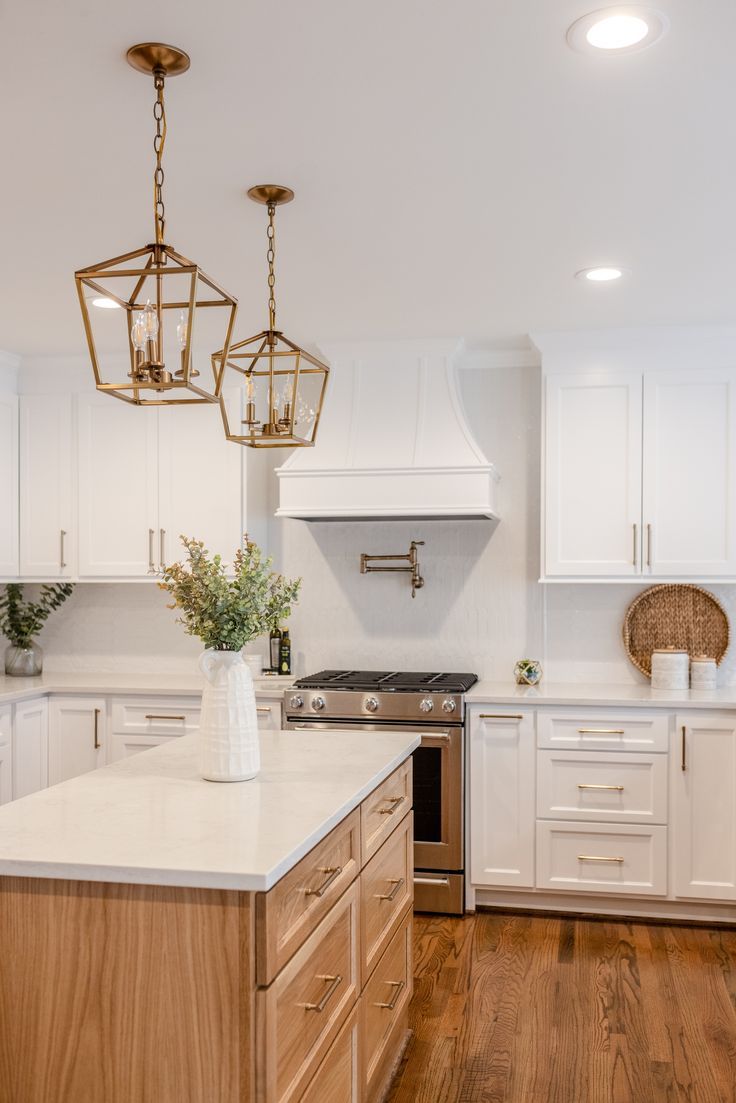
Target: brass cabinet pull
(613,788)
(151,564)
(398,986)
(162,550)
(62,534)
(397,882)
(154,716)
(601,731)
(500,716)
(394,802)
(334,872)
(334,982)
(636,551)
(683,762)
(97,721)
(649,545)
(263,708)
(597,858)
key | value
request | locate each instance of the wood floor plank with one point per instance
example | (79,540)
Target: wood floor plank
(520,1009)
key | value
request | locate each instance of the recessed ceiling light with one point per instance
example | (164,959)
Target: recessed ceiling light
(603,274)
(106,304)
(619,30)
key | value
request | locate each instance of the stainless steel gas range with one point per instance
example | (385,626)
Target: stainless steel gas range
(434,706)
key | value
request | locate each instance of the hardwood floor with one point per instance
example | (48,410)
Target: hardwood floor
(520,1009)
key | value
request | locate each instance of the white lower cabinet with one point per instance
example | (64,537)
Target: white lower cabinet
(703,780)
(77,736)
(30,747)
(602,786)
(6,753)
(501,772)
(139,723)
(587,857)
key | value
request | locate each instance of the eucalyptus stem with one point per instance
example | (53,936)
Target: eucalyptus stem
(21,621)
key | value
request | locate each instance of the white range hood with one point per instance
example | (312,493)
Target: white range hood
(393,441)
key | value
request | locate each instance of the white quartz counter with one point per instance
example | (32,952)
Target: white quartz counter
(163,685)
(151,819)
(608,696)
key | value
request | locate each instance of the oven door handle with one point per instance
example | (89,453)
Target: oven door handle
(422,880)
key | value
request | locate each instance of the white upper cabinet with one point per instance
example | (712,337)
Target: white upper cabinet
(118,488)
(200,483)
(9,485)
(593,475)
(689,510)
(47,519)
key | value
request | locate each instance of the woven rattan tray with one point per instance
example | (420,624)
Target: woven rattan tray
(673,615)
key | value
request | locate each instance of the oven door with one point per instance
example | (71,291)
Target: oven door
(438,790)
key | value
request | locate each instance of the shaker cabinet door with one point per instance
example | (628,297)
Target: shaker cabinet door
(593,475)
(689,493)
(8,486)
(77,736)
(47,521)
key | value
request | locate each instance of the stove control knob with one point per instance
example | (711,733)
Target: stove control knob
(296,702)
(318,703)
(449,704)
(371,704)
(426,704)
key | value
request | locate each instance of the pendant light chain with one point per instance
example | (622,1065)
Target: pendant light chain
(159,114)
(271,257)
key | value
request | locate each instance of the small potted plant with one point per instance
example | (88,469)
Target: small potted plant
(21,621)
(226,613)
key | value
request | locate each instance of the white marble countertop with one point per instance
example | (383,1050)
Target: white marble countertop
(164,685)
(151,819)
(550,693)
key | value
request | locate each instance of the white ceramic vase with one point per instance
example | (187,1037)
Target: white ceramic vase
(228,728)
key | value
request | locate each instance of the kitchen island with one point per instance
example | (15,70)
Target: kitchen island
(169,939)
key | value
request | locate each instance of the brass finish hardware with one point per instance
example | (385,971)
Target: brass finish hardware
(394,802)
(601,731)
(97,721)
(151,564)
(148,283)
(683,759)
(649,545)
(613,788)
(636,551)
(500,716)
(62,534)
(162,550)
(597,858)
(285,385)
(411,557)
(263,708)
(334,872)
(334,982)
(155,716)
(398,986)
(397,882)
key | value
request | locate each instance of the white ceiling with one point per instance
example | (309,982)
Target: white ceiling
(454,163)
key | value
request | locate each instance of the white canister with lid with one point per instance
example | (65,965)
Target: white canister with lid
(703,672)
(670,669)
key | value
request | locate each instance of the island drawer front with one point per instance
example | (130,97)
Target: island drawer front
(383,1008)
(603,730)
(301,1013)
(337,1080)
(155,715)
(288,914)
(602,786)
(386,890)
(383,810)
(593,857)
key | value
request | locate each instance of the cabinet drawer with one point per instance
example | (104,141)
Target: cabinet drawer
(383,1009)
(155,715)
(602,786)
(289,913)
(603,730)
(384,809)
(269,714)
(301,1013)
(337,1079)
(590,857)
(386,888)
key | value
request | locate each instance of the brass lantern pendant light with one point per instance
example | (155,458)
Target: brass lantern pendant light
(284,384)
(139,308)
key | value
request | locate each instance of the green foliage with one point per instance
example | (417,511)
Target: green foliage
(21,621)
(225,613)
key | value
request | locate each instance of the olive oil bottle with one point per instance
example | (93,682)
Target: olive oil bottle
(285,653)
(274,648)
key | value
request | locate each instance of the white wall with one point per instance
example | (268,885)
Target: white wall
(481,607)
